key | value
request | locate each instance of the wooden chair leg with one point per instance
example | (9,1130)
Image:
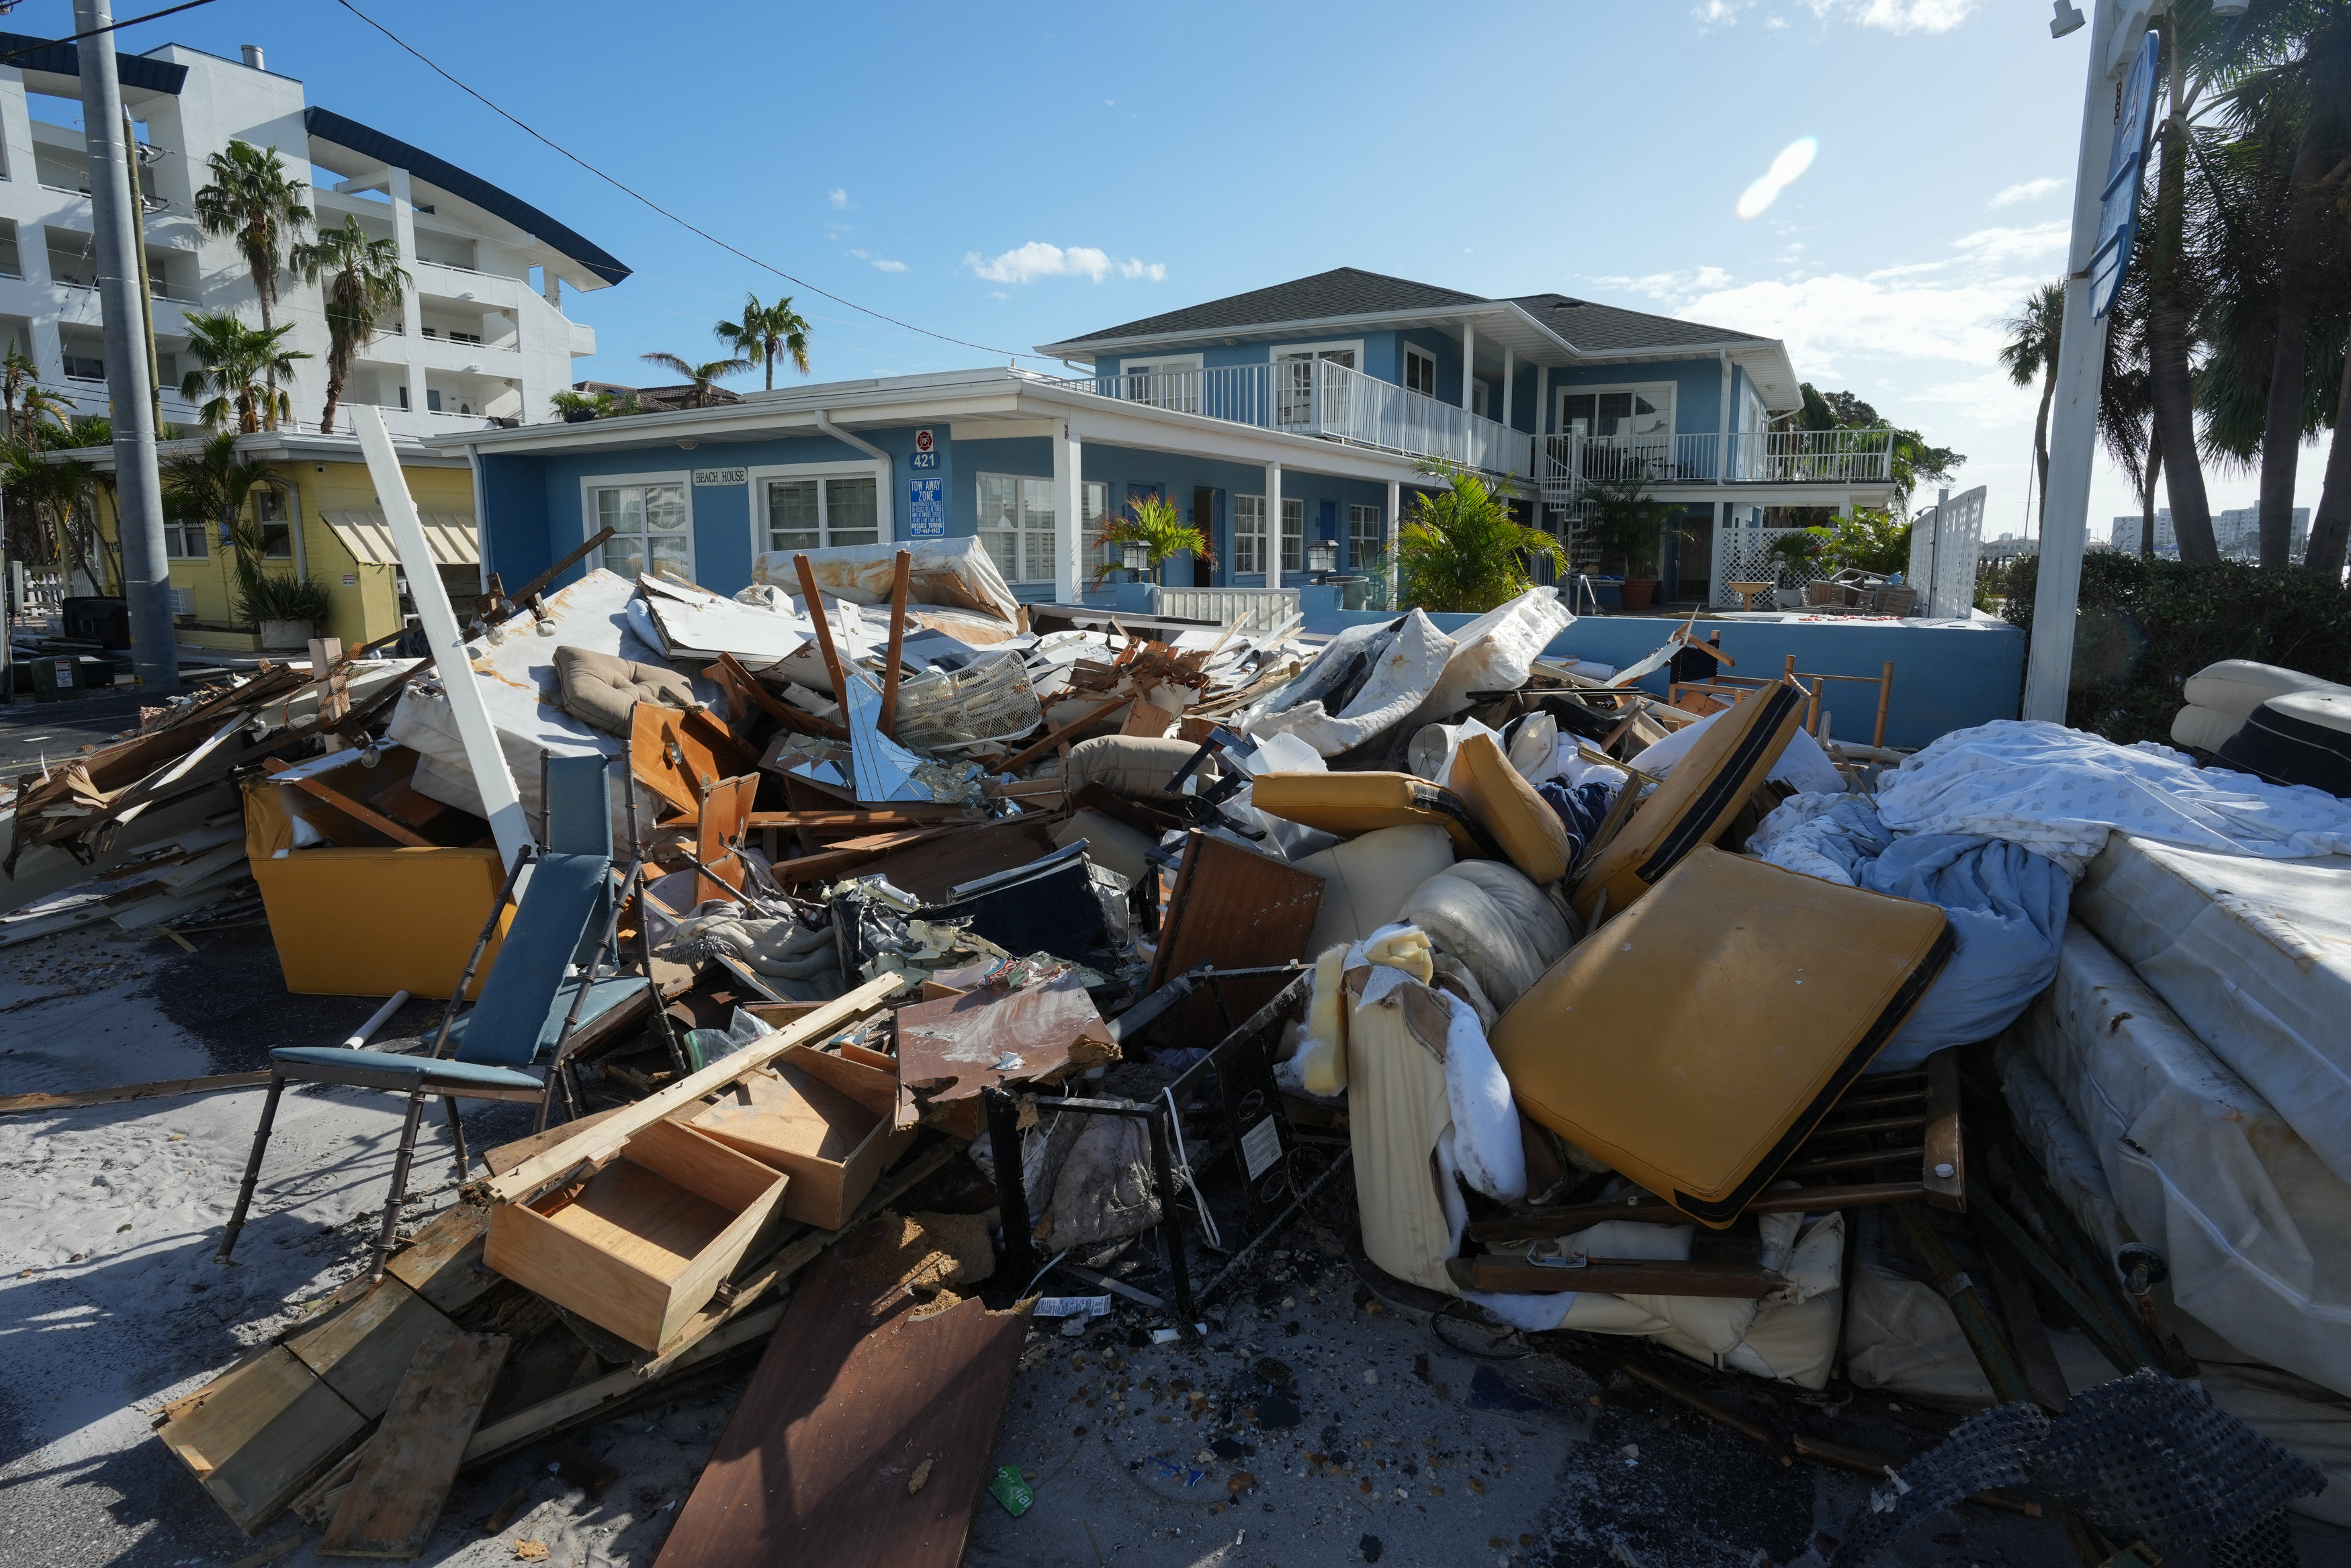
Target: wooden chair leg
(399,1181)
(252,1168)
(456,1133)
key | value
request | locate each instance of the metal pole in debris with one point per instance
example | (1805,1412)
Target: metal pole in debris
(484,757)
(139,500)
(2074,413)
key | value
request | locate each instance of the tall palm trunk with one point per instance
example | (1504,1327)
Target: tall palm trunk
(2282,432)
(770,346)
(2040,435)
(2330,530)
(2169,391)
(2146,496)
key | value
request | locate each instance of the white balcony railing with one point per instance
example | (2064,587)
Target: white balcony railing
(1319,397)
(1567,465)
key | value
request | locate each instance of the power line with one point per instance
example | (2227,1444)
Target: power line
(639,196)
(94,32)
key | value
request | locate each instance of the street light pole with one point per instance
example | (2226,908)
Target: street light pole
(121,270)
(2074,413)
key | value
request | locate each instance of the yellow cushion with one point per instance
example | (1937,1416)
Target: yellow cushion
(1350,804)
(1529,832)
(1695,1040)
(1697,800)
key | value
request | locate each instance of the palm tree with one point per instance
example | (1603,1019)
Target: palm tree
(241,368)
(59,494)
(704,377)
(362,279)
(768,333)
(1157,524)
(2029,355)
(251,201)
(215,482)
(1460,549)
(2193,48)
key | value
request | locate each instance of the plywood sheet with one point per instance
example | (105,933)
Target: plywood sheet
(405,1471)
(257,1434)
(854,1392)
(362,1352)
(1235,909)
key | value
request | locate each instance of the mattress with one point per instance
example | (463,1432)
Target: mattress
(2257,1230)
(2254,956)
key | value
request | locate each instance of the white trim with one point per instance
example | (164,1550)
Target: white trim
(1410,351)
(757,480)
(590,483)
(1597,390)
(1276,352)
(1145,363)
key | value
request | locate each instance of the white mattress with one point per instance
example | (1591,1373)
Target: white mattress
(2254,956)
(2256,1227)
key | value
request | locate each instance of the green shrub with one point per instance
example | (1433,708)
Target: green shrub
(2145,626)
(274,597)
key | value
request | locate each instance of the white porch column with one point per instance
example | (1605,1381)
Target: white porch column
(1722,427)
(1510,381)
(1273,525)
(1395,520)
(1068,516)
(1468,361)
(412,311)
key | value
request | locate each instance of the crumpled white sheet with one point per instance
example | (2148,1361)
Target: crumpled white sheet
(1411,657)
(1823,835)
(1801,765)
(2059,792)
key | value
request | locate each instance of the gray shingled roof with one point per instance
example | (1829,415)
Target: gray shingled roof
(1341,291)
(1600,328)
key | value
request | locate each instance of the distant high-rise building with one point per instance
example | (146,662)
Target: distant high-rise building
(2237,532)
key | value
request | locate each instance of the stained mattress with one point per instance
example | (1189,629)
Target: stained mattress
(2254,956)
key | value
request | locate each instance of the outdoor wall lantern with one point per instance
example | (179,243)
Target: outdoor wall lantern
(1135,557)
(1322,557)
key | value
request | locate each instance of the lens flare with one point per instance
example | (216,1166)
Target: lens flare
(1794,160)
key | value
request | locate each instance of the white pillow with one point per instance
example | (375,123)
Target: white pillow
(2238,685)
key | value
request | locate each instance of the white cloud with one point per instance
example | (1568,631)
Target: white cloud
(1794,160)
(1898,15)
(839,197)
(885,266)
(1713,13)
(2030,190)
(2002,244)
(861,255)
(1038,260)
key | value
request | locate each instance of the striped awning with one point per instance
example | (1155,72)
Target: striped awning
(369,538)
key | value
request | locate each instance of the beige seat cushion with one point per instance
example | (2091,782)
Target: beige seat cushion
(1522,823)
(2204,729)
(1397,1110)
(2240,685)
(1366,880)
(1134,767)
(600,690)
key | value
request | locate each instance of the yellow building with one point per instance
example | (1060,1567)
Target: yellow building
(319,518)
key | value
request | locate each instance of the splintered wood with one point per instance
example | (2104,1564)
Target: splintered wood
(406,1468)
(952,1048)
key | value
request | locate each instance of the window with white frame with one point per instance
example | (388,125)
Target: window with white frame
(1294,371)
(272,511)
(651,528)
(1017,525)
(1249,534)
(184,538)
(821,511)
(1481,398)
(1419,372)
(1168,381)
(1367,535)
(1646,410)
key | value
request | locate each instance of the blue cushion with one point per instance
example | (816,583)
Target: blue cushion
(607,993)
(567,892)
(580,805)
(364,1065)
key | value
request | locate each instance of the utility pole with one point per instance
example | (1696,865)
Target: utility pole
(2073,415)
(121,277)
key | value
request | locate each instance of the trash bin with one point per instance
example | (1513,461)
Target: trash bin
(56,677)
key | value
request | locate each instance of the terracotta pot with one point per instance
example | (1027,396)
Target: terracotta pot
(1638,592)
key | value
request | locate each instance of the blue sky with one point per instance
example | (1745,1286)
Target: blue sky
(1014,174)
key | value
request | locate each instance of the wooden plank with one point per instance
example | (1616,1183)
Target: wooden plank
(362,1352)
(507,1155)
(358,811)
(523,594)
(857,1391)
(887,721)
(605,1138)
(443,1265)
(1634,1277)
(718,829)
(256,1435)
(852,854)
(1943,1169)
(405,1471)
(165,1088)
(819,614)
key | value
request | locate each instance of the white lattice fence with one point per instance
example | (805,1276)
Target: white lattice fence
(1744,556)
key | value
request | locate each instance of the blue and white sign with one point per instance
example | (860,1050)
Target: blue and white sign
(926,509)
(2118,199)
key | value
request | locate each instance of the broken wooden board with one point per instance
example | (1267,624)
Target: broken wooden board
(257,1434)
(952,1048)
(163,1089)
(679,753)
(857,1392)
(362,1352)
(507,1155)
(1235,909)
(406,1468)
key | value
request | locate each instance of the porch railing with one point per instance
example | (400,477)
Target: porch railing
(1567,465)
(1320,398)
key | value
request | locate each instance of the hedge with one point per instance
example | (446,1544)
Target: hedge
(2146,625)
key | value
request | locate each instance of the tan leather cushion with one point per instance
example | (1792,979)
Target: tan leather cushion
(1350,804)
(1132,767)
(1366,880)
(600,690)
(1529,832)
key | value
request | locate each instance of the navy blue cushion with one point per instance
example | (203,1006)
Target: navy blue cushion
(379,1064)
(566,893)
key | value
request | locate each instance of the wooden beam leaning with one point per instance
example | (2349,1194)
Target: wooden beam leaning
(602,1141)
(887,723)
(813,602)
(523,594)
(398,832)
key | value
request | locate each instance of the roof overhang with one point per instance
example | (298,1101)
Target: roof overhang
(135,72)
(280,446)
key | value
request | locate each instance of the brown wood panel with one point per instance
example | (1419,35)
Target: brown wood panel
(1235,909)
(854,1392)
(406,1468)
(1944,1147)
(931,871)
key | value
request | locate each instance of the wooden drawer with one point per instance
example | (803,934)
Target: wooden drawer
(641,1245)
(827,1121)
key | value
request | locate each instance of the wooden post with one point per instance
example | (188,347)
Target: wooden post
(888,720)
(1884,695)
(815,603)
(334,702)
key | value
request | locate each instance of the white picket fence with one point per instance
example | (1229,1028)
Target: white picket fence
(1744,556)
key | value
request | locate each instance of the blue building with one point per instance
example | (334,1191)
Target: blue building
(1306,411)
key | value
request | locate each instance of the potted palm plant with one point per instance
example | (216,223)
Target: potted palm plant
(1153,523)
(1630,529)
(1459,549)
(1792,555)
(288,610)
